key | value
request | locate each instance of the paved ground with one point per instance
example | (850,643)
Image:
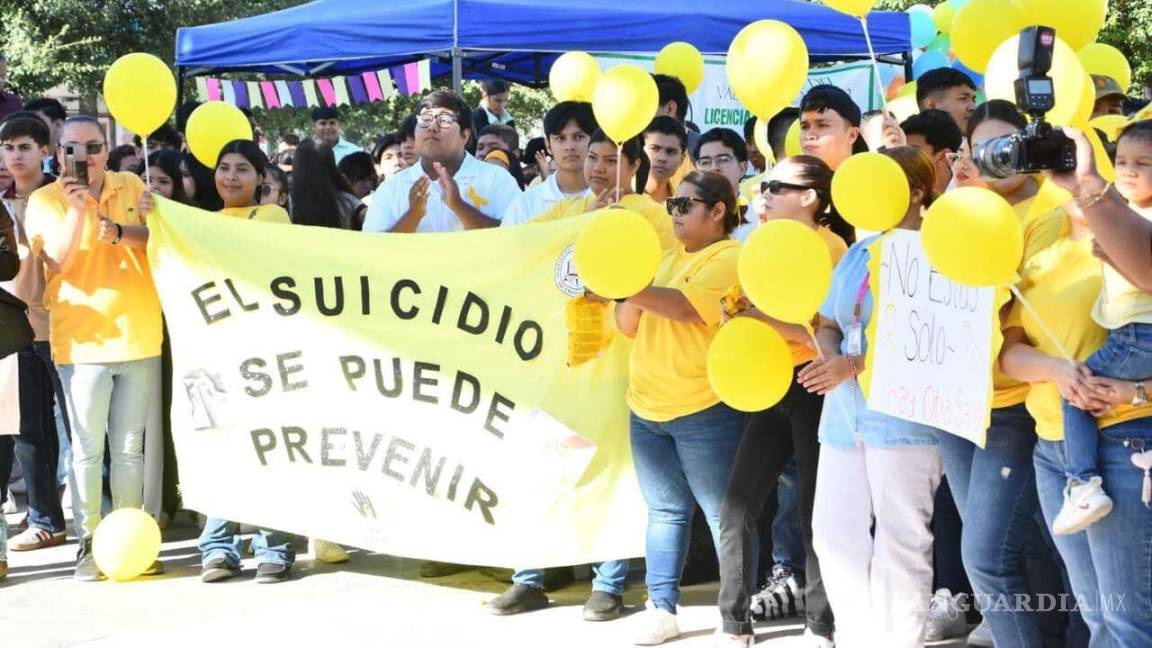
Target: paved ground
(373,600)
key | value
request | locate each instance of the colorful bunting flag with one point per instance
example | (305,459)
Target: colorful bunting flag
(409,79)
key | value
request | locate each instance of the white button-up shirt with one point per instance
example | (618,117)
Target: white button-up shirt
(536,201)
(487,187)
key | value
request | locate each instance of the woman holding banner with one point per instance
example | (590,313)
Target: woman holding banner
(683,438)
(798,188)
(994,487)
(878,474)
(240,172)
(1110,565)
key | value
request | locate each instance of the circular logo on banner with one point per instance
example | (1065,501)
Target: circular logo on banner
(566,278)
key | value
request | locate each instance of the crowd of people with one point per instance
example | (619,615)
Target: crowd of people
(876,530)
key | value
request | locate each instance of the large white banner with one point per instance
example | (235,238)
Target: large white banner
(932,345)
(714,104)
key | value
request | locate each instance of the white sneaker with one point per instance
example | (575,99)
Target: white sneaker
(945,618)
(1084,503)
(817,641)
(654,626)
(328,552)
(981,636)
(725,640)
(9,507)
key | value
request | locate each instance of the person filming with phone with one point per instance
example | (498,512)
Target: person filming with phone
(105,331)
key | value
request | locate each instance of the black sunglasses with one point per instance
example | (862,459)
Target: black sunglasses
(681,204)
(776,187)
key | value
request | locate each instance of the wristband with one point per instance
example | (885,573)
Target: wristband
(119,234)
(1085,202)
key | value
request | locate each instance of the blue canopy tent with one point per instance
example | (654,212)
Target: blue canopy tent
(516,40)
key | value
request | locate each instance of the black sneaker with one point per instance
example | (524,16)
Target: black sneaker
(86,569)
(270,572)
(218,569)
(518,599)
(602,606)
(781,598)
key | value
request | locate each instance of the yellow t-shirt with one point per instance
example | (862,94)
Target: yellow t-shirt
(1120,302)
(652,211)
(1062,282)
(1039,232)
(668,374)
(104,308)
(262,213)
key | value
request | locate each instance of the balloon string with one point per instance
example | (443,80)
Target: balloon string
(147,178)
(619,171)
(875,64)
(815,343)
(1043,327)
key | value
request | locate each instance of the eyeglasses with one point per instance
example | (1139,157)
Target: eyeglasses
(776,187)
(956,158)
(706,163)
(91,147)
(443,119)
(681,204)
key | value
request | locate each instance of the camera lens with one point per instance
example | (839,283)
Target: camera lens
(994,157)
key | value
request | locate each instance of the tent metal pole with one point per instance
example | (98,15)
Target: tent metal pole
(457,71)
(179,88)
(907,56)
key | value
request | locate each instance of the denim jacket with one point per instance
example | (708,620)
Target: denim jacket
(846,420)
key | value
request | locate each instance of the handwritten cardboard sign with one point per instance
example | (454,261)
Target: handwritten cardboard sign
(933,343)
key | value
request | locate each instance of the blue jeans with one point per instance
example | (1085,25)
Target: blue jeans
(1126,355)
(107,401)
(787,543)
(679,464)
(610,576)
(1121,543)
(220,539)
(1002,543)
(1051,467)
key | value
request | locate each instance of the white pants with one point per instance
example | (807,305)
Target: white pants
(879,584)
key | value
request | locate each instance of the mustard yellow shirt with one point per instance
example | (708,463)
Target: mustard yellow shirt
(1062,282)
(1039,233)
(104,308)
(262,213)
(652,211)
(668,375)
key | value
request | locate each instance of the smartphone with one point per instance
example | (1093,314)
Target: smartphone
(76,163)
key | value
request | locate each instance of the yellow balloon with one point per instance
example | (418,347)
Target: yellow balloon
(767,66)
(1103,163)
(792,142)
(1087,103)
(749,365)
(973,236)
(211,126)
(858,8)
(573,77)
(909,90)
(126,543)
(1110,125)
(617,253)
(1099,58)
(683,61)
(871,191)
(140,92)
(785,269)
(1077,22)
(942,15)
(1068,79)
(760,137)
(625,101)
(979,28)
